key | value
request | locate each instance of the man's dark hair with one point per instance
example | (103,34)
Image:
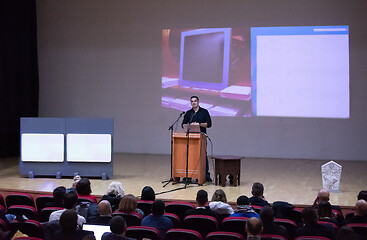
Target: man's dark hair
(158,207)
(242,200)
(362,195)
(346,233)
(117,225)
(309,215)
(71,198)
(83,187)
(194,97)
(324,209)
(254,226)
(59,194)
(267,215)
(68,221)
(257,189)
(147,193)
(201,197)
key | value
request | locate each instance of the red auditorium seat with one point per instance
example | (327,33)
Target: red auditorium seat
(2,202)
(30,227)
(235,224)
(359,228)
(132,219)
(329,223)
(224,236)
(140,232)
(175,219)
(272,237)
(145,206)
(257,208)
(45,213)
(3,225)
(288,224)
(28,211)
(41,201)
(202,223)
(179,208)
(27,238)
(312,238)
(19,199)
(296,215)
(182,234)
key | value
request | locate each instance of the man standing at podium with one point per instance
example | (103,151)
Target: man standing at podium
(198,116)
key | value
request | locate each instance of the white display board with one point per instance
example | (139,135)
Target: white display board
(89,147)
(41,147)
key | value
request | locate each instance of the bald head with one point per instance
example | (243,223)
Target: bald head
(253,226)
(323,195)
(361,208)
(104,208)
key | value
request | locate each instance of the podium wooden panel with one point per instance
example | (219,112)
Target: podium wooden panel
(197,155)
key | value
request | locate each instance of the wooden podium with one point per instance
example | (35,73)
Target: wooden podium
(196,159)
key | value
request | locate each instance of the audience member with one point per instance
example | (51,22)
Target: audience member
(201,209)
(69,227)
(346,233)
(70,202)
(269,227)
(362,195)
(76,179)
(312,228)
(157,220)
(244,209)
(324,196)
(147,194)
(118,230)
(83,188)
(58,195)
(258,198)
(253,228)
(104,214)
(129,204)
(114,193)
(219,203)
(360,214)
(325,213)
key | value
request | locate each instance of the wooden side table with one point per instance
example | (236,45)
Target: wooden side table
(227,165)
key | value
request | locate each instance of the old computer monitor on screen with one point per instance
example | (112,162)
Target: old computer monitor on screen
(204,58)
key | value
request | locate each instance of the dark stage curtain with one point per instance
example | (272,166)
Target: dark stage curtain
(18,70)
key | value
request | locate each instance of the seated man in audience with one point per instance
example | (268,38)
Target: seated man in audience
(104,215)
(362,195)
(59,195)
(69,227)
(312,228)
(360,215)
(201,209)
(253,229)
(324,195)
(244,209)
(70,202)
(157,220)
(258,198)
(118,230)
(269,227)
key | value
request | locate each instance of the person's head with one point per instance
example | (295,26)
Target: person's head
(345,233)
(128,203)
(242,201)
(309,215)
(323,195)
(219,196)
(59,194)
(194,100)
(83,187)
(201,197)
(104,208)
(324,209)
(158,207)
(69,221)
(267,215)
(253,226)
(115,188)
(118,225)
(70,200)
(362,195)
(148,194)
(361,208)
(257,189)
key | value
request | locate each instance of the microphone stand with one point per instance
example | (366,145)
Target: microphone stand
(171,129)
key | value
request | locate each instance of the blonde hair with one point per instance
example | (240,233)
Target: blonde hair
(116,189)
(219,195)
(128,203)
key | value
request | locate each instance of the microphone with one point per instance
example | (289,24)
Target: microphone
(182,113)
(192,116)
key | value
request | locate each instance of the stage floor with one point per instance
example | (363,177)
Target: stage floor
(293,180)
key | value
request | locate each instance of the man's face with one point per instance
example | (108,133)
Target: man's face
(194,102)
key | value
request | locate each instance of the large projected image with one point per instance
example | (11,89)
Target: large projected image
(260,71)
